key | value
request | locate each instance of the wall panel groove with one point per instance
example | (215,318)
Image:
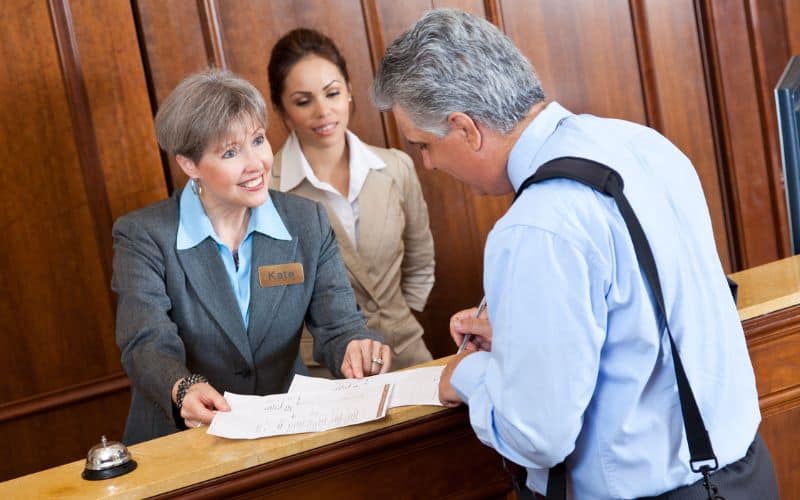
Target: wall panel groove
(647,74)
(721,148)
(63,397)
(94,181)
(212,33)
(770,53)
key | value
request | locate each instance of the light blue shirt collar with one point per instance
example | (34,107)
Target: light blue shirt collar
(195,226)
(523,158)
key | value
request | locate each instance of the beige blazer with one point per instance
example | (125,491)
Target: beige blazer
(392,270)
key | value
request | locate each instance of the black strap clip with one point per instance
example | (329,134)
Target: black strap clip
(711,488)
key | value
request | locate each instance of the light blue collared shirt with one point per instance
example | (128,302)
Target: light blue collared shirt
(580,365)
(195,226)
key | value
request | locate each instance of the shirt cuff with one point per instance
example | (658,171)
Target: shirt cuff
(469,374)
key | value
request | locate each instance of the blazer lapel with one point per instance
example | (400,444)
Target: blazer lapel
(206,274)
(351,257)
(264,300)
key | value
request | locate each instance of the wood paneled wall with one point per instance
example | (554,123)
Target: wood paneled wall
(81,80)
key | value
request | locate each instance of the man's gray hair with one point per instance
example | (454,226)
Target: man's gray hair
(203,108)
(450,61)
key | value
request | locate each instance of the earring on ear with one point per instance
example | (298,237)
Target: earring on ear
(196,187)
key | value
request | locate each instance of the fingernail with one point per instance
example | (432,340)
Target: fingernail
(457,323)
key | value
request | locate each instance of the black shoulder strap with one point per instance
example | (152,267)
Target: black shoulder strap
(608,181)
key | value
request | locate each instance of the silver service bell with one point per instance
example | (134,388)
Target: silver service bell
(106,460)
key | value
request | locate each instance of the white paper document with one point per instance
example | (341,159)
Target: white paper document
(254,417)
(418,386)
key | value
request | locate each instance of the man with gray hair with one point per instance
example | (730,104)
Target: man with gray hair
(573,364)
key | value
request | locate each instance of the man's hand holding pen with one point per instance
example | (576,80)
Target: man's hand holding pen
(472,332)
(470,322)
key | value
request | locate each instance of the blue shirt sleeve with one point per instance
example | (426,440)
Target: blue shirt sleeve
(546,304)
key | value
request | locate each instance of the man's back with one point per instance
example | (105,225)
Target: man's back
(582,356)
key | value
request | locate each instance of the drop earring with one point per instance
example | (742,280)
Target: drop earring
(196,187)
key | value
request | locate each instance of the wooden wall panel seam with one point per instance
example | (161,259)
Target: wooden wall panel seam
(64,397)
(494,13)
(771,148)
(644,56)
(83,128)
(377,46)
(719,128)
(212,33)
(151,87)
(372,23)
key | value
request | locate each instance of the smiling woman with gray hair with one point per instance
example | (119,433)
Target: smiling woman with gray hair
(215,284)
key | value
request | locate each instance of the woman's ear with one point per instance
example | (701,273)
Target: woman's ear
(188,166)
(462,124)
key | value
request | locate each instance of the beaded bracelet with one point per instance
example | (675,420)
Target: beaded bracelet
(185,384)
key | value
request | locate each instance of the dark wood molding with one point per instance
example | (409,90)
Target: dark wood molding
(151,87)
(719,128)
(780,402)
(83,127)
(644,54)
(494,13)
(768,327)
(63,397)
(372,23)
(776,328)
(212,33)
(377,47)
(766,22)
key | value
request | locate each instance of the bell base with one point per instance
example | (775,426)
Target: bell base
(97,475)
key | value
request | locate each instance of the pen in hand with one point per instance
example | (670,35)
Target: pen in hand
(467,336)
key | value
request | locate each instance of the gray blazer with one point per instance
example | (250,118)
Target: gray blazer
(177,313)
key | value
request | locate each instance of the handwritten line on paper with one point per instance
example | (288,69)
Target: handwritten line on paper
(253,417)
(417,386)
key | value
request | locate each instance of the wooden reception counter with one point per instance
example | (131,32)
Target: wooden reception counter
(769,306)
(425,452)
(415,452)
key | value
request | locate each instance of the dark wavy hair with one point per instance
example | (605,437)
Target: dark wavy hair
(292,47)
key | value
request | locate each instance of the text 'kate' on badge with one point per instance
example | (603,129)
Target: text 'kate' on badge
(280,274)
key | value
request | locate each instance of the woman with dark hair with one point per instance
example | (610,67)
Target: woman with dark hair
(372,195)
(215,284)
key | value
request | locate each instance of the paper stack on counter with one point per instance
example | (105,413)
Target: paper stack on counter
(318,404)
(254,417)
(417,386)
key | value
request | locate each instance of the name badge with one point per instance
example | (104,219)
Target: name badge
(280,274)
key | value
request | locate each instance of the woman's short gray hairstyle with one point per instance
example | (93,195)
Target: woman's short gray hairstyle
(450,61)
(203,108)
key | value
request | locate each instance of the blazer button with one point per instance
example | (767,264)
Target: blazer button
(371,306)
(245,372)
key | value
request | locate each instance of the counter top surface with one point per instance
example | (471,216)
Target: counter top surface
(768,288)
(192,456)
